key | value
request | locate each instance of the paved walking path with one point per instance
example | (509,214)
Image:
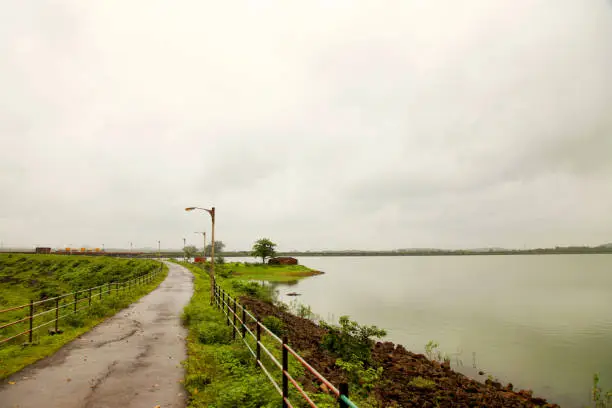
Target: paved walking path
(132,360)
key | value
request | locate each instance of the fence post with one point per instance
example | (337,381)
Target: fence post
(285,369)
(56,313)
(31,320)
(258,347)
(243,322)
(109,289)
(344,390)
(234,325)
(225,308)
(89,297)
(101,292)
(76,296)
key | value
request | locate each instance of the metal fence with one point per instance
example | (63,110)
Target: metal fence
(42,313)
(239,322)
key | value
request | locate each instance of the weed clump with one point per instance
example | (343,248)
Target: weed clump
(213,333)
(275,325)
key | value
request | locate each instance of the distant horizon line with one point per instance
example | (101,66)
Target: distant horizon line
(396,250)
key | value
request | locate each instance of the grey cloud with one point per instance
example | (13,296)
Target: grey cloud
(319,124)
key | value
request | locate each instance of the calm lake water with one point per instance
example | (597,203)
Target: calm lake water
(542,321)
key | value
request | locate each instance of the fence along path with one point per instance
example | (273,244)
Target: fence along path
(42,313)
(239,320)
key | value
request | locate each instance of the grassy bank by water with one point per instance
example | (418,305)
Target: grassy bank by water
(221,372)
(262,272)
(36,277)
(379,374)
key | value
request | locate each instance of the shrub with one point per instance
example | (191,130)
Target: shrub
(365,377)
(275,325)
(214,333)
(98,310)
(350,341)
(74,320)
(254,289)
(194,312)
(600,398)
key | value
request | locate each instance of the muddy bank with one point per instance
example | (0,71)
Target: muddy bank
(451,389)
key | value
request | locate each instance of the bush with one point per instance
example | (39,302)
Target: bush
(223,272)
(275,325)
(74,320)
(194,312)
(365,377)
(214,333)
(98,310)
(254,289)
(350,341)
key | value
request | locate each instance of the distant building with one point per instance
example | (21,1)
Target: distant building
(43,250)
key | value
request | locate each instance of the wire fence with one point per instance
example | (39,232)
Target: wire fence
(39,314)
(239,320)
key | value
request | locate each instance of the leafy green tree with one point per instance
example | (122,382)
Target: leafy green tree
(263,248)
(190,251)
(219,247)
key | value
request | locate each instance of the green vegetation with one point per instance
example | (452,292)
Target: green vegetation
(221,372)
(263,272)
(263,248)
(36,277)
(190,251)
(432,351)
(600,398)
(351,341)
(420,382)
(219,246)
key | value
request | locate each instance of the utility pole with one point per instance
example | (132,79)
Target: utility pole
(203,244)
(184,252)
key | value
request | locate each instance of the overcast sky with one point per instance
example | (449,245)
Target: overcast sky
(320,124)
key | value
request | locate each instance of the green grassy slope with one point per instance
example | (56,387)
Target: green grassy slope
(221,372)
(37,277)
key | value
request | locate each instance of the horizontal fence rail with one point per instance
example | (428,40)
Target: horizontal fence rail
(237,316)
(46,312)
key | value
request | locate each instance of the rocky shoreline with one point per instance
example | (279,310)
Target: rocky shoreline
(449,388)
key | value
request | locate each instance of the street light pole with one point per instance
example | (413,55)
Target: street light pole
(159,249)
(184,252)
(210,211)
(130,249)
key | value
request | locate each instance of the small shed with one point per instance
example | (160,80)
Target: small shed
(282,260)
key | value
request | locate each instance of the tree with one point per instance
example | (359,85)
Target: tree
(263,248)
(219,246)
(190,251)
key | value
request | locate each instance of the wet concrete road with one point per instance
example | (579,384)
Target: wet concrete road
(132,360)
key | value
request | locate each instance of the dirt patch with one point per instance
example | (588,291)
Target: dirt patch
(450,388)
